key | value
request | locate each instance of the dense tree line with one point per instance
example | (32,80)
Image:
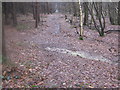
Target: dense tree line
(98,9)
(93,13)
(12,9)
(87,13)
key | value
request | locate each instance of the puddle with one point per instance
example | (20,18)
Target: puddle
(82,54)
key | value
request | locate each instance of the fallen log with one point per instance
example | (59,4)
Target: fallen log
(112,31)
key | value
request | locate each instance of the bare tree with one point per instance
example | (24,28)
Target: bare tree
(99,11)
(100,26)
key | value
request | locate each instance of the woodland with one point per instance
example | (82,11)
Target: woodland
(60,45)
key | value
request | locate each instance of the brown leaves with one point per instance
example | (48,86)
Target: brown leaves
(39,66)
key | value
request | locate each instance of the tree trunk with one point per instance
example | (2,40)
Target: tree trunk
(4,56)
(81,22)
(23,5)
(37,17)
(100,26)
(33,10)
(101,19)
(74,9)
(110,17)
(86,13)
(119,13)
(112,10)
(48,9)
(6,13)
(38,12)
(14,14)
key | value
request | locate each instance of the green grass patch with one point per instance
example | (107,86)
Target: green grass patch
(34,86)
(21,27)
(44,16)
(20,43)
(81,85)
(80,38)
(0,59)
(118,78)
(73,26)
(3,59)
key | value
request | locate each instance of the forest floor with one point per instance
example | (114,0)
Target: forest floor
(53,56)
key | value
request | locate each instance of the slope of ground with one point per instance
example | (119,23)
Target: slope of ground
(41,67)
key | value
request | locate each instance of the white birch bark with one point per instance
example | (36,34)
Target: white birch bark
(81,21)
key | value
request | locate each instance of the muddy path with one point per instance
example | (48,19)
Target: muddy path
(54,51)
